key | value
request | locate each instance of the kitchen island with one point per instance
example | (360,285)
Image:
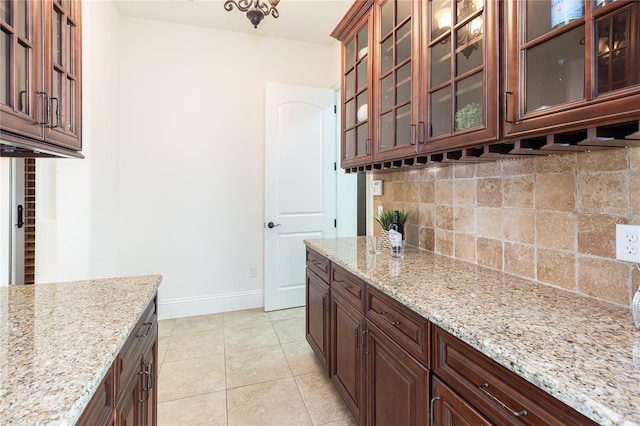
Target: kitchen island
(577,349)
(58,341)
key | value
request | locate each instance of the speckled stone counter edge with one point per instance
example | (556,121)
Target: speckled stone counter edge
(577,349)
(59,341)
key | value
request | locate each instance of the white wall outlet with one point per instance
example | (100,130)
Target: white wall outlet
(628,243)
(380,210)
(253,271)
(376,188)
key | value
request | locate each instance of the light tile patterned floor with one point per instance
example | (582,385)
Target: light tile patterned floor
(243,368)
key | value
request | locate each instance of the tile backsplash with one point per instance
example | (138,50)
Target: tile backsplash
(549,219)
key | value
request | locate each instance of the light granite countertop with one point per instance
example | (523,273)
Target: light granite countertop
(578,349)
(58,340)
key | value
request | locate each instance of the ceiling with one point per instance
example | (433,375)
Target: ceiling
(305,20)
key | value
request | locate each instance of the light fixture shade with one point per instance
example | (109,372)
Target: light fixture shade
(255,16)
(256,9)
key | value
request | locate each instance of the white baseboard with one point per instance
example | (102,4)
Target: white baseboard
(212,304)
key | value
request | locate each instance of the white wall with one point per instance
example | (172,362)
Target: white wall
(77,199)
(191,141)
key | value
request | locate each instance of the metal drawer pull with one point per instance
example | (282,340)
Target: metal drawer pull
(148,326)
(384,317)
(344,283)
(483,387)
(325,307)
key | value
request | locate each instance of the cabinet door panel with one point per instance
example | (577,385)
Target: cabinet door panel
(571,67)
(463,78)
(62,79)
(397,384)
(397,76)
(347,363)
(356,97)
(20,47)
(449,409)
(317,317)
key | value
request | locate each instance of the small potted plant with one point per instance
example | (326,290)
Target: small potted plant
(385,219)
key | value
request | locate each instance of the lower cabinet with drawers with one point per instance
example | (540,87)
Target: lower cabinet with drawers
(128,394)
(377,351)
(392,367)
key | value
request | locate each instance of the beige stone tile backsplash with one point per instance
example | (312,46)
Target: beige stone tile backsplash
(547,219)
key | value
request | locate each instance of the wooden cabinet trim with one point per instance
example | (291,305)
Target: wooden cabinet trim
(467,371)
(410,330)
(348,286)
(319,264)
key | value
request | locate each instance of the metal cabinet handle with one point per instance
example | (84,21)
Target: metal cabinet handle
(144,373)
(384,317)
(57,113)
(325,306)
(506,107)
(413,137)
(483,387)
(368,147)
(148,385)
(432,411)
(47,114)
(423,139)
(363,345)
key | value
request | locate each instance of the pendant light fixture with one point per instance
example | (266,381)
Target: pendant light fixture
(256,9)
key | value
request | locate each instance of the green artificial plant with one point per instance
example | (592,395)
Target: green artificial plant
(385,219)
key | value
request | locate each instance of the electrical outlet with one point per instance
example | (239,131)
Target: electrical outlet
(380,210)
(628,243)
(253,271)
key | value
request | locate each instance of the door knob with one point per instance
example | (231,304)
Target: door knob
(272,225)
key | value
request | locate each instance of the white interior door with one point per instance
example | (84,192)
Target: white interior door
(300,185)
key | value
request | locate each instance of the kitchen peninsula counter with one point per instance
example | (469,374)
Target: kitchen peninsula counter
(577,349)
(58,340)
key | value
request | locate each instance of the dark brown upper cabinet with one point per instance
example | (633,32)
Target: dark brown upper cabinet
(478,80)
(462,72)
(357,97)
(399,129)
(571,64)
(40,85)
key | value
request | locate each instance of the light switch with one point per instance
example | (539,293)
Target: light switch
(376,188)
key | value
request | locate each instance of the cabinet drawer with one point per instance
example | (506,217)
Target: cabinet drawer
(319,264)
(408,329)
(350,287)
(127,362)
(501,395)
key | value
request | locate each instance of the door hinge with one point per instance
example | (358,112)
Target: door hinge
(335,223)
(335,166)
(335,109)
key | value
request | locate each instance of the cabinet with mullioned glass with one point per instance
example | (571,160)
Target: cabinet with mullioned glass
(357,127)
(40,79)
(462,72)
(571,64)
(399,131)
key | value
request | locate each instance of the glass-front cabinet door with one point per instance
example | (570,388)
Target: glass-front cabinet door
(396,75)
(462,72)
(570,62)
(20,103)
(62,70)
(356,96)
